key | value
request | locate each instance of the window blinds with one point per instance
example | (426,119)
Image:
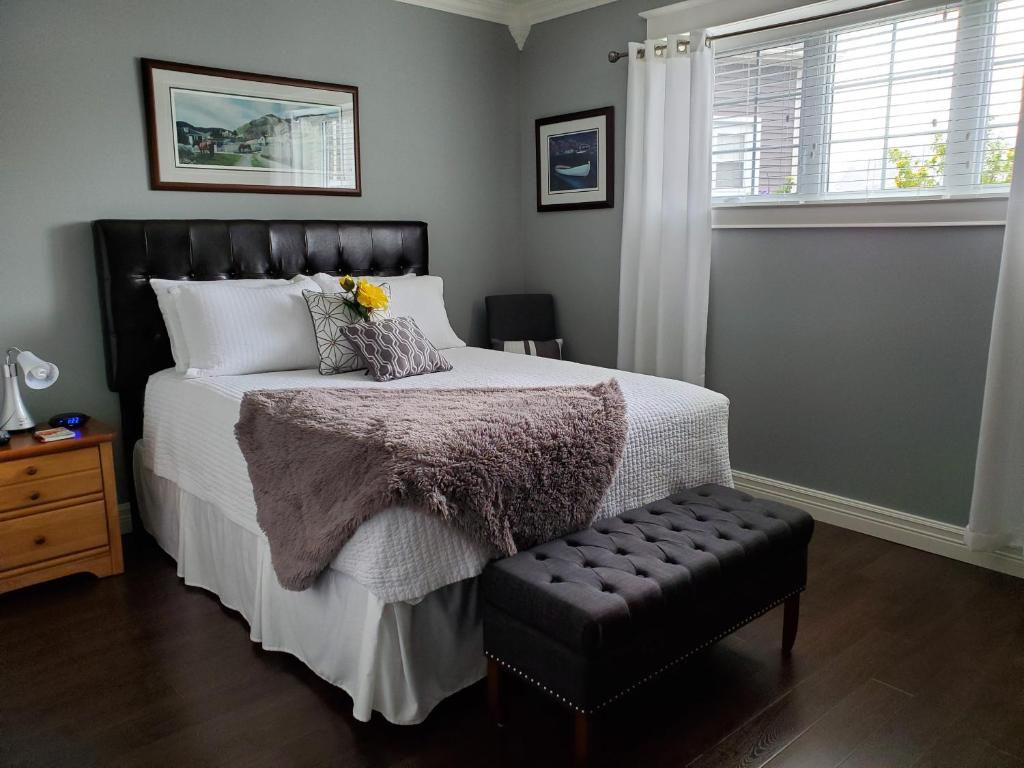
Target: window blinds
(924,103)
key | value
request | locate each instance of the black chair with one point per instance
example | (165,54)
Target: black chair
(522,316)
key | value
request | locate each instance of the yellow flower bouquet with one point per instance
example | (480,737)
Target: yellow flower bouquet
(363,297)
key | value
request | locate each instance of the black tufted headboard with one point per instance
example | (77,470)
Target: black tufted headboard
(129,252)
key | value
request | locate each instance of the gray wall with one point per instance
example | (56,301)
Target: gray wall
(439,112)
(854,358)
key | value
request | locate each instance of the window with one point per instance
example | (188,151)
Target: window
(922,104)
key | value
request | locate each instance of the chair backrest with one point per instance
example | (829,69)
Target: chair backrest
(520,317)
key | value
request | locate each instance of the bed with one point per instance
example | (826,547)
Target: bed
(394,620)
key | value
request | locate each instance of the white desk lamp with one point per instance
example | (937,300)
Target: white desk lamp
(38,374)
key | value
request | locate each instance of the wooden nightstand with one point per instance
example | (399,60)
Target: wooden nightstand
(58,508)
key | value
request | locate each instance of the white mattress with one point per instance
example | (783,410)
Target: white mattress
(678,437)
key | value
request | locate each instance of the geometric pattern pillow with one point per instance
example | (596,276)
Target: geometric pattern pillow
(330,315)
(552,349)
(394,349)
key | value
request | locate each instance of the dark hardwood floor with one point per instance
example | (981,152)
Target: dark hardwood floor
(903,659)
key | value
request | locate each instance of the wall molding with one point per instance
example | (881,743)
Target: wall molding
(518,15)
(537,11)
(488,10)
(892,525)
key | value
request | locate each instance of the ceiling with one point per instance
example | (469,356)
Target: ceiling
(518,15)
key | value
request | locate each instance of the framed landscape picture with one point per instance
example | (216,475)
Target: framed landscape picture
(217,130)
(576,161)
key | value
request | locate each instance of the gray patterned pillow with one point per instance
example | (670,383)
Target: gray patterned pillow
(394,349)
(330,315)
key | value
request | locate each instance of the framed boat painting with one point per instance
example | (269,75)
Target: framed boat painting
(576,161)
(217,130)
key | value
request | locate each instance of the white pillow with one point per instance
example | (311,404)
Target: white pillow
(329,283)
(235,330)
(422,298)
(169,307)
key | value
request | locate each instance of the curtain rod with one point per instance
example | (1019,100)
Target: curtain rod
(659,50)
(614,56)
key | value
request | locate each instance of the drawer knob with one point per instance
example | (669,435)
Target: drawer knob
(31,471)
(34,495)
(39,540)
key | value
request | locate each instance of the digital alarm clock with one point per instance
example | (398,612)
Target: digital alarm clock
(71,420)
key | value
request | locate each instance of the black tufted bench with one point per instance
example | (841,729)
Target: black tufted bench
(591,616)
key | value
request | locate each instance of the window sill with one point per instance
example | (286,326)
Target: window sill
(972,211)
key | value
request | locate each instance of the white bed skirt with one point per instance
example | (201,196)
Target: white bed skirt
(398,659)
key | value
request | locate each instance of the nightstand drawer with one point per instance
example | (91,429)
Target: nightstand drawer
(42,467)
(52,489)
(34,538)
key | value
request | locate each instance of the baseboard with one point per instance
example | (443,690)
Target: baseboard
(124,513)
(889,524)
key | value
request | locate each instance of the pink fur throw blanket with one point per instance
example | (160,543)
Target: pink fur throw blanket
(513,467)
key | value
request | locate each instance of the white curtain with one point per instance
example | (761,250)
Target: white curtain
(997,507)
(666,227)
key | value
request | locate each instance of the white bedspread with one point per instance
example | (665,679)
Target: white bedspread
(678,436)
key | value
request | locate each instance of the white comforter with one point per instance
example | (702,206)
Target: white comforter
(678,436)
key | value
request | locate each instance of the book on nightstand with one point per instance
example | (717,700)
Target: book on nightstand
(52,435)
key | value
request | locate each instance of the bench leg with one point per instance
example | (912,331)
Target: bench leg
(494,699)
(581,752)
(790,622)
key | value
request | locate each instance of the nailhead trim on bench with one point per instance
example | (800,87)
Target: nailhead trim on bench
(652,675)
